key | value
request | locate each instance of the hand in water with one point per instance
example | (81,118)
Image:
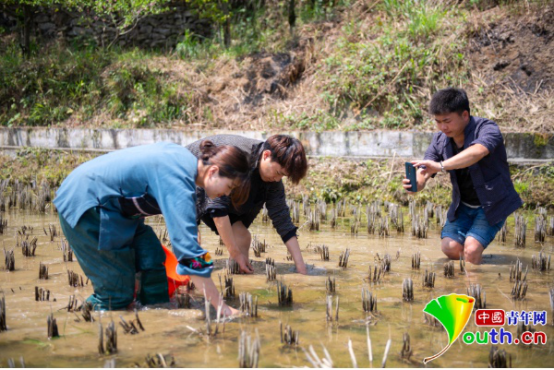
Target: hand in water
(244,263)
(310,270)
(230,311)
(317,271)
(302,269)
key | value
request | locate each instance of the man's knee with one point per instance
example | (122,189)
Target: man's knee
(451,248)
(473,251)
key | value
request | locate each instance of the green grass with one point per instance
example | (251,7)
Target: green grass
(250,33)
(369,65)
(385,75)
(331,179)
(320,121)
(80,82)
(63,82)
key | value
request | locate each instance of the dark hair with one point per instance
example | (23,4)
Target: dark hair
(233,164)
(449,100)
(289,153)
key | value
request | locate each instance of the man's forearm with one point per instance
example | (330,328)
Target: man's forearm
(466,158)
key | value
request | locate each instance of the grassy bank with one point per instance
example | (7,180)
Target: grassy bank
(333,179)
(70,86)
(328,178)
(347,65)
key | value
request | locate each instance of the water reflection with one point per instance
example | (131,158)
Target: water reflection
(171,332)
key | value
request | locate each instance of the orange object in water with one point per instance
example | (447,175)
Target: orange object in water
(174,280)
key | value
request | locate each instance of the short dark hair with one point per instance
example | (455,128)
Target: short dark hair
(449,100)
(290,154)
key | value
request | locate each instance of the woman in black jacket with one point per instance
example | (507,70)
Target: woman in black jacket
(270,160)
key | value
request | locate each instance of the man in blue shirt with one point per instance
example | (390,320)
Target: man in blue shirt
(472,150)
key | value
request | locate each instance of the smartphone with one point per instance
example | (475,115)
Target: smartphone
(411,175)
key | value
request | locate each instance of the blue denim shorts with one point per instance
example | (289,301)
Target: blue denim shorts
(471,222)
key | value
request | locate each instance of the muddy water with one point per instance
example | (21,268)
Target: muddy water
(167,330)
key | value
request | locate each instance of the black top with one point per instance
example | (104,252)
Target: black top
(272,194)
(467,190)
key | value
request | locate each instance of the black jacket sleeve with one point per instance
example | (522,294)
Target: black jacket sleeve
(218,207)
(279,212)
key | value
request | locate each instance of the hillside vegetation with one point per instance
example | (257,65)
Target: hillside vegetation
(346,65)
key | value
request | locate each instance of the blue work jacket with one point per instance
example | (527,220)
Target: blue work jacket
(165,171)
(490,176)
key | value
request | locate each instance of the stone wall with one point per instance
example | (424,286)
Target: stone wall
(520,148)
(155,31)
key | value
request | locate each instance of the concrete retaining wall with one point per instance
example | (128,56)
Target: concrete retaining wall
(405,144)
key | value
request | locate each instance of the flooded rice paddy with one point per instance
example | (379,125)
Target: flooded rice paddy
(179,336)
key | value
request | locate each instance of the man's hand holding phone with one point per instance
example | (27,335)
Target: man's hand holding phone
(410,182)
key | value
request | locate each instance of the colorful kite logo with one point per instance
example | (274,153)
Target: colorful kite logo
(453,312)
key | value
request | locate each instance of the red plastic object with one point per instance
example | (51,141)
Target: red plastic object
(174,280)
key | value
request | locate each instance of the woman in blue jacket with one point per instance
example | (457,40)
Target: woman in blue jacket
(103,202)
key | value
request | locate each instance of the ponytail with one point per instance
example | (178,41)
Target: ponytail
(233,164)
(208,149)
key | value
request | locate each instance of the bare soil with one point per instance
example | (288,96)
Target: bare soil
(516,49)
(511,54)
(244,89)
